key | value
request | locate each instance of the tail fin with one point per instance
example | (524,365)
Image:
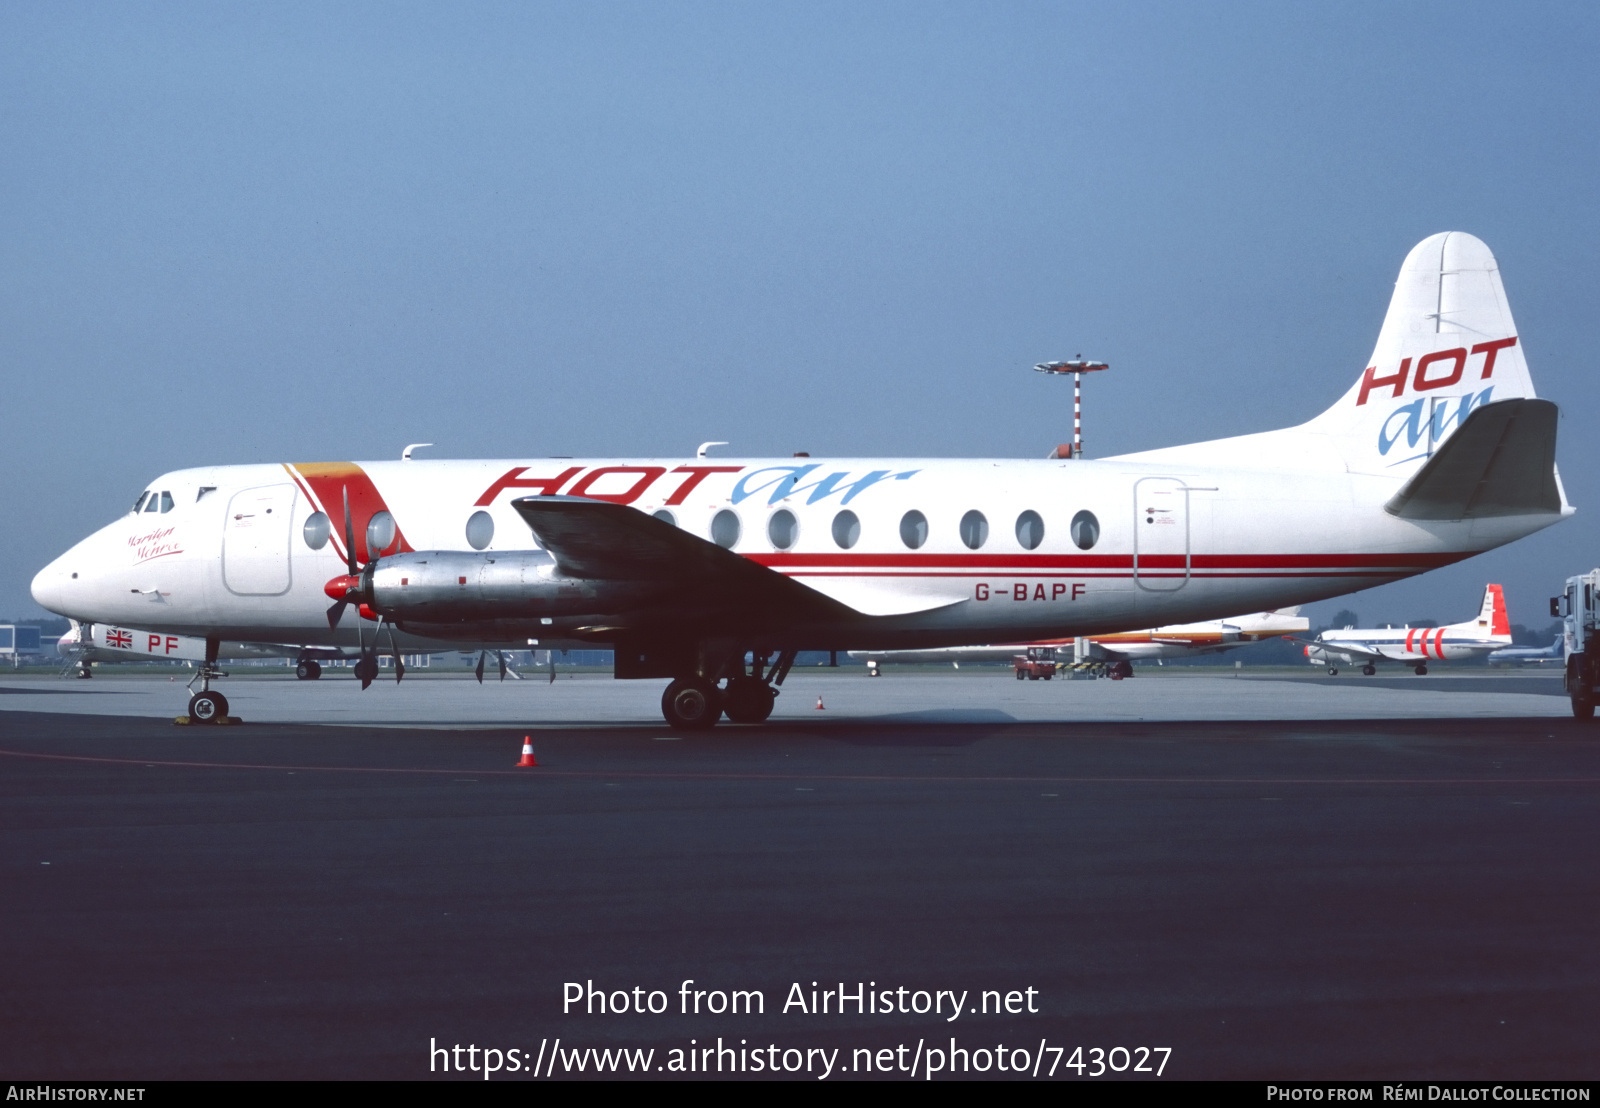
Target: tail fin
(1492,621)
(1447,347)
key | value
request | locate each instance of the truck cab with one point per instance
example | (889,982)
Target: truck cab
(1576,608)
(1039,663)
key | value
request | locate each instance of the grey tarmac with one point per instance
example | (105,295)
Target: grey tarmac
(1404,890)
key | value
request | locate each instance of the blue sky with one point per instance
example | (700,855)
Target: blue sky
(278,232)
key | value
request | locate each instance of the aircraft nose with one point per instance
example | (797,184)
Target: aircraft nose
(52,586)
(47,588)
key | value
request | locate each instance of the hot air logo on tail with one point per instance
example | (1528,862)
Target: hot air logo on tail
(1427,419)
(1427,377)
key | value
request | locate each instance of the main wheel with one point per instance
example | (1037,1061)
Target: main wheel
(208,707)
(366,669)
(1582,707)
(691,705)
(1369,669)
(747,700)
(1422,671)
(1332,672)
(308,670)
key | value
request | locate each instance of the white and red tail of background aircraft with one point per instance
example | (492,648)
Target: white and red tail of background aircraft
(713,572)
(1416,646)
(1179,640)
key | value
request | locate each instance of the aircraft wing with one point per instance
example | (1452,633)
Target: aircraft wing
(599,540)
(1341,646)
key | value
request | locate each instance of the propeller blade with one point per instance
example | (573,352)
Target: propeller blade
(501,658)
(552,667)
(349,535)
(479,670)
(336,613)
(394,652)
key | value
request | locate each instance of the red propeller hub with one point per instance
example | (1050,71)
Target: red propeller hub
(366,612)
(342,586)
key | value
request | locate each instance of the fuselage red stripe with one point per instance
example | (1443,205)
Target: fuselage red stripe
(1401,562)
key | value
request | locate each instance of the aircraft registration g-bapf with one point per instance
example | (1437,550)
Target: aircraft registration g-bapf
(687,568)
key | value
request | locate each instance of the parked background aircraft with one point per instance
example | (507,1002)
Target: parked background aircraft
(1438,451)
(1180,640)
(1553,655)
(1415,646)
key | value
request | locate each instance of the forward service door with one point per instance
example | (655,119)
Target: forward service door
(255,541)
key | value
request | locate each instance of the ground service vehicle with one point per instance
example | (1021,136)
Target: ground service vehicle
(1038,664)
(1581,640)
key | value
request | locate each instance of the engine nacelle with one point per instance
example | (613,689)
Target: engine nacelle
(452,586)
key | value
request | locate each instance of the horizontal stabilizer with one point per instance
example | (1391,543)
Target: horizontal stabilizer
(599,540)
(1500,462)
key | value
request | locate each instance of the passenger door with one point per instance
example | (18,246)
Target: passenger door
(255,541)
(1160,534)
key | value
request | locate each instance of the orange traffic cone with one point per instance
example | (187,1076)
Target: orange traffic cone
(819,704)
(527,752)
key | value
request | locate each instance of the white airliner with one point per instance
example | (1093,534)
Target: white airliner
(687,566)
(1416,646)
(1179,640)
(1553,655)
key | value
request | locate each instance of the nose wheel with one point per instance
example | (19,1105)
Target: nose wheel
(208,707)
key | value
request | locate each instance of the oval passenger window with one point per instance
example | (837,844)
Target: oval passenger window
(782,528)
(974,529)
(317,530)
(914,529)
(1085,530)
(380,534)
(725,528)
(665,517)
(1030,530)
(480,530)
(846,529)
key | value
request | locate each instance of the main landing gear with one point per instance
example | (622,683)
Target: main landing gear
(1422,671)
(308,670)
(695,703)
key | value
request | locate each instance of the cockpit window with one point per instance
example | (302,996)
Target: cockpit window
(153,504)
(138,505)
(166,502)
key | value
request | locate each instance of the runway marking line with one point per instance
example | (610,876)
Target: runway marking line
(752,776)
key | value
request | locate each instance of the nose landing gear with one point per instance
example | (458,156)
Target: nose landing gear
(206,706)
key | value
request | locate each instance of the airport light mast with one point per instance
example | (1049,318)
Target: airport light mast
(1077,367)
